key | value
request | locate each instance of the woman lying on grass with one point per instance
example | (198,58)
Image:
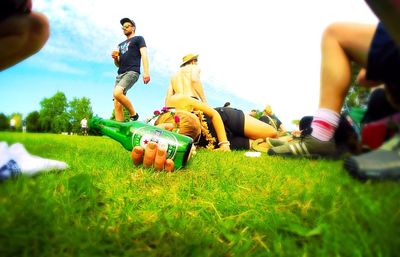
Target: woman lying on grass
(220,128)
(224,127)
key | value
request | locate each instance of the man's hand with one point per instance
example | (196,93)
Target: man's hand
(115,54)
(146,78)
(152,157)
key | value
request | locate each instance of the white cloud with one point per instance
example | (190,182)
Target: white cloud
(263,51)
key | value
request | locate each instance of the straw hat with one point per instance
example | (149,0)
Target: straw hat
(187,58)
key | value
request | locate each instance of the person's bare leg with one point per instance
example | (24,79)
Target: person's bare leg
(22,36)
(118,111)
(123,100)
(341,43)
(254,128)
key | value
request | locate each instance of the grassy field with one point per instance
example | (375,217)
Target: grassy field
(221,204)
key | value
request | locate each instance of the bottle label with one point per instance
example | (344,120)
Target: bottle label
(164,139)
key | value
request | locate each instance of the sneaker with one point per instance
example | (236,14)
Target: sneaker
(134,117)
(274,142)
(260,145)
(307,146)
(383,163)
(9,170)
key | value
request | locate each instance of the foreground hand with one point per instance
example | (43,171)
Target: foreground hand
(152,157)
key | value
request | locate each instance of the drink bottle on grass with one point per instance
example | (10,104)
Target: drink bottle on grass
(135,133)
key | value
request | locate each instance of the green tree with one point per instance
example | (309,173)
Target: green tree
(125,112)
(53,113)
(79,109)
(4,122)
(33,122)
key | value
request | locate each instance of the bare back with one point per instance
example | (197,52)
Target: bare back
(187,82)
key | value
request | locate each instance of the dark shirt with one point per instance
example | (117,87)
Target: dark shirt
(129,54)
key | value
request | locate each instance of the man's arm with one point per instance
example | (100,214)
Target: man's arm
(145,61)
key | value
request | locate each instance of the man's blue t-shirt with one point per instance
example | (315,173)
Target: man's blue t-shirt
(129,54)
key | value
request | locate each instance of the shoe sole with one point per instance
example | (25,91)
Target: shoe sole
(351,165)
(310,156)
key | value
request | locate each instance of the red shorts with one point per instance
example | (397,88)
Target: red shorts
(12,7)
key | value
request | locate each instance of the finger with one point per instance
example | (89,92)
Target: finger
(169,165)
(137,155)
(160,159)
(149,154)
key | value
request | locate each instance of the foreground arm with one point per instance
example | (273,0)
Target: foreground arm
(21,35)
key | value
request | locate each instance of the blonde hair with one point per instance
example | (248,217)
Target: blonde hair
(189,124)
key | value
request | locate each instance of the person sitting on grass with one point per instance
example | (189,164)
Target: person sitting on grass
(186,80)
(337,53)
(379,55)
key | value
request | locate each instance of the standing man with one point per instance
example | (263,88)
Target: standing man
(84,126)
(127,59)
(13,123)
(186,80)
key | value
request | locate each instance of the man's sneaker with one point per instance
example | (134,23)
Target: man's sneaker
(274,142)
(263,144)
(307,146)
(383,163)
(134,117)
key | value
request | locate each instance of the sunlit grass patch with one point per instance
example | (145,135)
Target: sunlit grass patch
(221,204)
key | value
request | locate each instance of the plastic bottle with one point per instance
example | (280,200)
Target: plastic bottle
(135,133)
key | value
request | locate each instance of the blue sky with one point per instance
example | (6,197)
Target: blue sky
(252,53)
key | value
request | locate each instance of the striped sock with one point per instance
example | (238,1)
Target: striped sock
(324,124)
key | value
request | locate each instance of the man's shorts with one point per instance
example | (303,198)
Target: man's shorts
(384,62)
(126,80)
(11,7)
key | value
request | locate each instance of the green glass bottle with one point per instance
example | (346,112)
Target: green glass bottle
(135,133)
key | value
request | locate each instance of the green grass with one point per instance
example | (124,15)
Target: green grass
(222,204)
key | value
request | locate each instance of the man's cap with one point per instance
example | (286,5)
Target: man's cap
(187,58)
(127,20)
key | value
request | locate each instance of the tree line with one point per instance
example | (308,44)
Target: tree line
(56,115)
